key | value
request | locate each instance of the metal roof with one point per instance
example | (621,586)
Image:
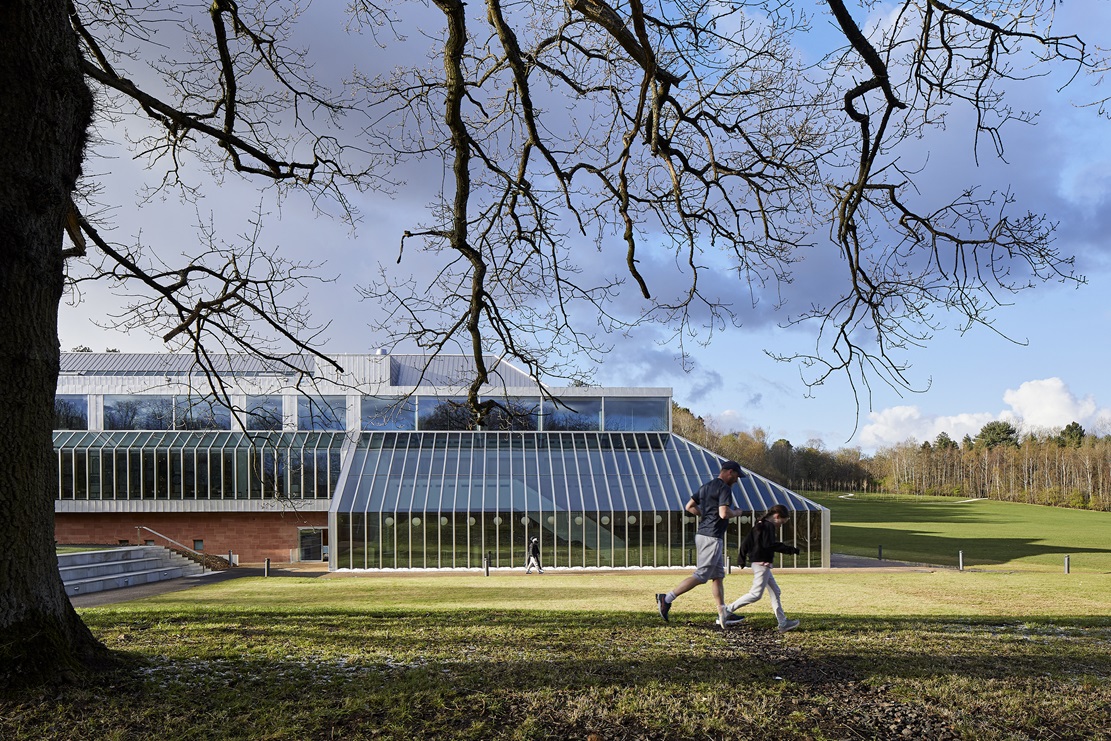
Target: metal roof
(177,364)
(404,370)
(453,371)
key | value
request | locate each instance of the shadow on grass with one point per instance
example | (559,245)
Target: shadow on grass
(301,672)
(559,651)
(954,512)
(908,545)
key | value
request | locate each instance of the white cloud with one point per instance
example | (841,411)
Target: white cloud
(728,420)
(893,424)
(1035,406)
(1048,404)
(898,424)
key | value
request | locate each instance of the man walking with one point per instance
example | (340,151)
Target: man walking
(713,505)
(533,556)
(758,549)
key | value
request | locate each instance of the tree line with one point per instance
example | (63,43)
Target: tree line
(808,467)
(1066,468)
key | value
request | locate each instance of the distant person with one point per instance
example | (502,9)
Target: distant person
(758,549)
(713,505)
(533,556)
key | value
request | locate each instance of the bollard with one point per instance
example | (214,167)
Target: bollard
(960,560)
(229,559)
(486,565)
(728,565)
(266,568)
(1066,564)
(881,553)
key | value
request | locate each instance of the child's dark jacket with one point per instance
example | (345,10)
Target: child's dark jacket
(760,545)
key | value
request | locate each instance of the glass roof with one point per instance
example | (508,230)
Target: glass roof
(193,440)
(526,471)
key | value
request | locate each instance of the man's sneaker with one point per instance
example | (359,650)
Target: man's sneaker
(664,605)
(789,625)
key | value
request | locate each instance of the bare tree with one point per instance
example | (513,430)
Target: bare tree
(579,137)
(697,128)
(238,100)
(46,112)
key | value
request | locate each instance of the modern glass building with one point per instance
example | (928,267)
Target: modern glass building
(370,468)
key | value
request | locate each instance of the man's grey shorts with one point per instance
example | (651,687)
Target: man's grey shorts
(711,558)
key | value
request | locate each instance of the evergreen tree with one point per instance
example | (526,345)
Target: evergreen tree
(1073,435)
(944,442)
(997,433)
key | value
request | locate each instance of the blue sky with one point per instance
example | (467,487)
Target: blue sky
(1052,371)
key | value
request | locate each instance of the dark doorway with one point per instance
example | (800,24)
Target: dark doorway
(312,545)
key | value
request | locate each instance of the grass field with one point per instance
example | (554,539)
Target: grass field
(881,654)
(991,534)
(1018,651)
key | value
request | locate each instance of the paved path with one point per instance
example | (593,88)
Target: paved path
(842,561)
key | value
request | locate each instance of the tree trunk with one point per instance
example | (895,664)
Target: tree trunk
(46,110)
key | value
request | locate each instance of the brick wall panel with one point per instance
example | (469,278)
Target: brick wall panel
(253,537)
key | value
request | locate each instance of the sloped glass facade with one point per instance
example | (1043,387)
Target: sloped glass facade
(168,465)
(594,499)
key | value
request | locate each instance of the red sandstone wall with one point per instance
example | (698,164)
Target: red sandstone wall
(253,536)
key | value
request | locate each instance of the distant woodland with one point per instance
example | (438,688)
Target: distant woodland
(1066,468)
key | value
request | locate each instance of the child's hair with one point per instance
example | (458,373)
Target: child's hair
(778,509)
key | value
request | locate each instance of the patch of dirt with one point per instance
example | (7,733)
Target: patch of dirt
(840,703)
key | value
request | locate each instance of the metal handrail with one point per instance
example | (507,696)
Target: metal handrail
(202,556)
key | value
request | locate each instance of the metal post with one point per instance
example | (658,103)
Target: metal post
(881,553)
(1066,564)
(728,565)
(960,560)
(266,568)
(486,565)
(229,559)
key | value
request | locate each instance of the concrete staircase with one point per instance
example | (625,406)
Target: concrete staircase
(115,568)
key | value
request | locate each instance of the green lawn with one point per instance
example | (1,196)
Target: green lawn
(79,548)
(991,534)
(924,653)
(835,594)
(1015,651)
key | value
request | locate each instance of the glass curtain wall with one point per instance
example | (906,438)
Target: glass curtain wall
(164,412)
(322,413)
(453,499)
(197,465)
(71,412)
(264,413)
